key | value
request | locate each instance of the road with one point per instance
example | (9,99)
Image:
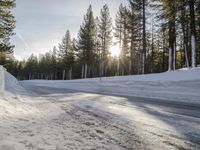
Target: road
(96,120)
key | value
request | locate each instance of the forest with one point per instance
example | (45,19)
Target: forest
(153,36)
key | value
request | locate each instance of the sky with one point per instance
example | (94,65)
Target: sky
(41,24)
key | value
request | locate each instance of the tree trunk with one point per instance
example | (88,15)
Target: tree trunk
(144,39)
(63,75)
(174,56)
(185,34)
(71,73)
(193,32)
(152,50)
(82,71)
(172,44)
(86,71)
(185,41)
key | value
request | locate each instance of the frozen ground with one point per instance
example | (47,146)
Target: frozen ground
(135,112)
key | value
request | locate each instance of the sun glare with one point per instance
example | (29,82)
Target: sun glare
(114,50)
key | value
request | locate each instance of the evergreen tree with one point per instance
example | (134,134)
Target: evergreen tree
(86,43)
(97,52)
(133,30)
(66,55)
(198,30)
(184,20)
(144,35)
(193,31)
(172,41)
(7,24)
(105,26)
(170,15)
(121,34)
(139,7)
(54,68)
(32,67)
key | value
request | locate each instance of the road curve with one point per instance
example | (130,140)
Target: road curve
(181,129)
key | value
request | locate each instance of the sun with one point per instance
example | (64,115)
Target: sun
(114,50)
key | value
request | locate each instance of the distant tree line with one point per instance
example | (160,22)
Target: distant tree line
(153,36)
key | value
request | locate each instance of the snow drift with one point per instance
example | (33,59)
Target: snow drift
(179,85)
(2,82)
(184,74)
(8,82)
(52,117)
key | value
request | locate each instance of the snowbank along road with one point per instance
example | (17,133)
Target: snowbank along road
(111,114)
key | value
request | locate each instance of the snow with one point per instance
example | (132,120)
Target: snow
(1,78)
(51,115)
(180,85)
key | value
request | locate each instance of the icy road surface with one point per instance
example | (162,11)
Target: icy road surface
(62,119)
(156,111)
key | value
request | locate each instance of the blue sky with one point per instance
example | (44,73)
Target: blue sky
(41,24)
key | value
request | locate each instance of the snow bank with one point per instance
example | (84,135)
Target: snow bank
(7,81)
(180,85)
(178,75)
(11,83)
(184,74)
(2,78)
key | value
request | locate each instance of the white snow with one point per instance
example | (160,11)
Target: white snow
(18,111)
(180,85)
(46,116)
(1,78)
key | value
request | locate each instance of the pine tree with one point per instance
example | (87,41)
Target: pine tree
(97,52)
(133,29)
(193,31)
(119,26)
(86,43)
(7,24)
(54,63)
(144,35)
(64,47)
(184,20)
(139,7)
(71,58)
(170,15)
(125,47)
(105,26)
(121,34)
(66,54)
(198,30)
(32,67)
(118,31)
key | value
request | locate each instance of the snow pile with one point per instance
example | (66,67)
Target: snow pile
(11,101)
(184,74)
(179,85)
(7,81)
(8,88)
(54,117)
(18,109)
(1,78)
(178,75)
(9,84)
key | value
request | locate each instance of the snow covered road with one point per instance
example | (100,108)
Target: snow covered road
(160,111)
(85,120)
